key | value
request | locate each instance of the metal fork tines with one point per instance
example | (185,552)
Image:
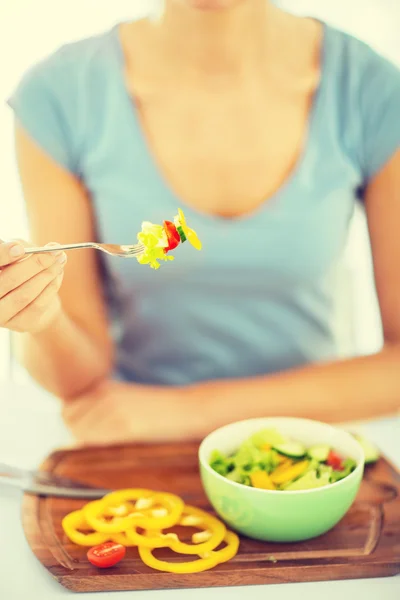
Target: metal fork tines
(126,251)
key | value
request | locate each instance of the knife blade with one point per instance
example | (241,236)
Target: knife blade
(42,483)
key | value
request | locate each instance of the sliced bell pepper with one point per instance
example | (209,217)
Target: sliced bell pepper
(75,521)
(261,479)
(213,529)
(122,538)
(121,510)
(173,236)
(94,511)
(206,561)
(335,461)
(283,465)
(288,473)
(189,234)
(283,460)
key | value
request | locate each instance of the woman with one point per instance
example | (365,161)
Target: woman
(264,127)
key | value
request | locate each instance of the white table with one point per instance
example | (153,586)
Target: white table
(31,427)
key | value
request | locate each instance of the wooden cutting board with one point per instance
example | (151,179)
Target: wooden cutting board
(366,543)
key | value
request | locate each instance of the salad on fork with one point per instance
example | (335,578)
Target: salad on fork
(159,240)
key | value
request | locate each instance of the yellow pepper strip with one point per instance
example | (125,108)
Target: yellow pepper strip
(94,511)
(266,447)
(190,234)
(287,462)
(122,538)
(289,473)
(76,520)
(260,479)
(191,517)
(207,561)
(283,460)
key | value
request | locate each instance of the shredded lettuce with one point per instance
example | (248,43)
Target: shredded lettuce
(324,470)
(348,466)
(239,476)
(258,453)
(248,458)
(220,463)
(267,436)
(154,239)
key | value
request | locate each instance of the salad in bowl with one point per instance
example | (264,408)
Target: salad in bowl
(281,479)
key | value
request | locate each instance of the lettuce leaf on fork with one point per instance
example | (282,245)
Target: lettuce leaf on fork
(154,239)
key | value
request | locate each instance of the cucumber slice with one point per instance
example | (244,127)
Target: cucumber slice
(181,233)
(319,452)
(291,449)
(371,452)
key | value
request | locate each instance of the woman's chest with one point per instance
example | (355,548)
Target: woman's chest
(224,154)
(297,233)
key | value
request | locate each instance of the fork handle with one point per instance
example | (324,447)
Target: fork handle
(40,249)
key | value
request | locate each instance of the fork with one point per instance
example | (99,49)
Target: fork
(112,249)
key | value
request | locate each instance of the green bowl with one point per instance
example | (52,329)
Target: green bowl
(280,516)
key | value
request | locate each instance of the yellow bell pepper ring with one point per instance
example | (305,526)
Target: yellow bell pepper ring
(212,534)
(126,496)
(146,517)
(75,521)
(122,538)
(121,510)
(204,563)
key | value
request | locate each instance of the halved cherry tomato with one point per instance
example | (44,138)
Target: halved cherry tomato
(172,235)
(335,461)
(106,555)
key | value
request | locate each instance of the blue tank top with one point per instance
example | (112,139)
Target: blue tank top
(219,313)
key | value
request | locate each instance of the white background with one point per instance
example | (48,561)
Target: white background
(30,29)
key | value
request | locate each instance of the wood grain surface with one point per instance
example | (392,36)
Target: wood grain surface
(366,543)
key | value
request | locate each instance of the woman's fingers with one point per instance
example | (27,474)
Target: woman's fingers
(15,275)
(21,297)
(11,252)
(41,311)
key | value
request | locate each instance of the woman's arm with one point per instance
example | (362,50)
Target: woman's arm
(358,388)
(75,351)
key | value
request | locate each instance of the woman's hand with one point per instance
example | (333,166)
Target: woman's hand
(117,412)
(29,286)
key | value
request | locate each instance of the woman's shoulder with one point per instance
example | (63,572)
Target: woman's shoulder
(352,61)
(364,94)
(72,59)
(52,97)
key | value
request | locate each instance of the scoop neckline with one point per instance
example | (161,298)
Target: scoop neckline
(152,166)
